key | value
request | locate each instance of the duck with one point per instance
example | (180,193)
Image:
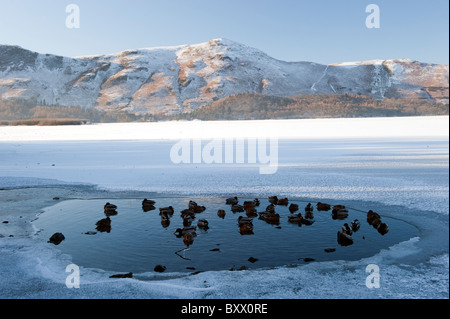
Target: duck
(188,239)
(309,215)
(187,220)
(186,230)
(244,220)
(339,212)
(203,224)
(246,229)
(273,200)
(251,212)
(374,219)
(270,218)
(323,206)
(307,222)
(344,239)
(148,205)
(108,205)
(148,202)
(199,209)
(169,210)
(236,208)
(309,208)
(383,229)
(293,208)
(165,220)
(295,219)
(187,212)
(110,209)
(270,208)
(355,225)
(232,201)
(283,202)
(256,202)
(346,229)
(221,213)
(249,204)
(104,225)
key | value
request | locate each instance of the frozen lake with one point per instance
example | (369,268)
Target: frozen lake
(397,165)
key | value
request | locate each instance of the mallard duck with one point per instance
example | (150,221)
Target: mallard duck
(244,220)
(164,215)
(373,218)
(256,202)
(168,210)
(293,208)
(270,208)
(186,230)
(309,208)
(165,220)
(110,209)
(344,239)
(383,229)
(236,208)
(221,213)
(187,212)
(56,238)
(148,202)
(188,239)
(323,207)
(232,201)
(346,229)
(187,220)
(339,212)
(202,223)
(355,225)
(283,202)
(273,200)
(270,218)
(249,204)
(246,229)
(295,219)
(148,205)
(104,225)
(251,212)
(309,215)
(109,206)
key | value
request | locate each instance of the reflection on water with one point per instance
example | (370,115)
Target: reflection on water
(215,233)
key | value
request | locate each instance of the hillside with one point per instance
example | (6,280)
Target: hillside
(257,106)
(175,80)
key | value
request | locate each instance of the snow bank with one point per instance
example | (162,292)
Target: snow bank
(409,127)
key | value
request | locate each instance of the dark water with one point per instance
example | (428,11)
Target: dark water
(137,241)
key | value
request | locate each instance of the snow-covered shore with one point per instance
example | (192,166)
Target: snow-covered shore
(398,165)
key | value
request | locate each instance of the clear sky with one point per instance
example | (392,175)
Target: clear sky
(323,31)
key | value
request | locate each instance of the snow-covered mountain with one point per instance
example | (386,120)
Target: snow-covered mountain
(183,78)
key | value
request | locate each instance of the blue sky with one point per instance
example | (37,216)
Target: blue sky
(323,31)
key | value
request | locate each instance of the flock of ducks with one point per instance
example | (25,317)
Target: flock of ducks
(245,223)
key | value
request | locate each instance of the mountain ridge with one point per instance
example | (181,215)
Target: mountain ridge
(184,78)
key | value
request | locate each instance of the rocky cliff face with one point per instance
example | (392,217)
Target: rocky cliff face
(184,78)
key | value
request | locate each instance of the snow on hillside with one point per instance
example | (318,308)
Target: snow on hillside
(183,78)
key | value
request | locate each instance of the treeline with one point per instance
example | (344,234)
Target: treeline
(235,107)
(28,113)
(256,106)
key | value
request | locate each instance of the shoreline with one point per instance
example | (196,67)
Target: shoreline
(328,128)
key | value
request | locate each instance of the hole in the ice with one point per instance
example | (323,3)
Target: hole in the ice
(133,237)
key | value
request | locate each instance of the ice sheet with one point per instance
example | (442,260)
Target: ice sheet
(406,169)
